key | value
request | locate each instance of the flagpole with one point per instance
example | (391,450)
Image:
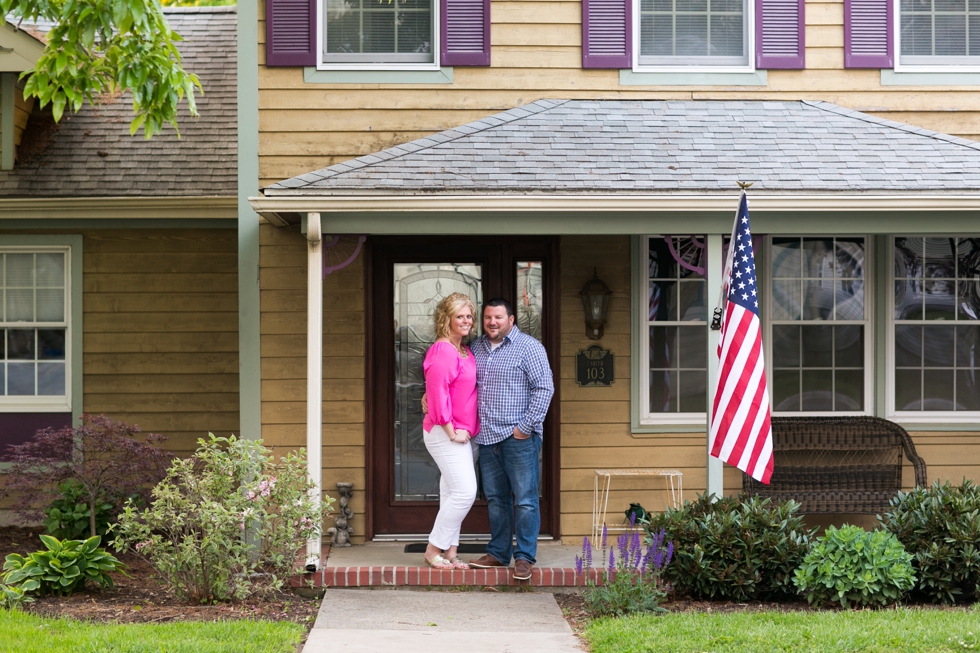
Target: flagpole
(715,467)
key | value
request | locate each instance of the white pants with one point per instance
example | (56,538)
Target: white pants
(457,487)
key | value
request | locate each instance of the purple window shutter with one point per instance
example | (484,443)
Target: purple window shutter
(868,34)
(290,32)
(780,34)
(607,34)
(465,33)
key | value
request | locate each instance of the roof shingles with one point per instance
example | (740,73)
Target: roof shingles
(91,153)
(582,146)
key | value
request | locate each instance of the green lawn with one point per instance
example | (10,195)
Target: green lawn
(886,631)
(25,633)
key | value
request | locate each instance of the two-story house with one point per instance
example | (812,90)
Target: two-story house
(518,147)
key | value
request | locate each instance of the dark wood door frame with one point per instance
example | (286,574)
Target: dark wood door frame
(497,254)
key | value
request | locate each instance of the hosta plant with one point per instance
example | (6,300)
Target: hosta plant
(854,567)
(12,596)
(63,567)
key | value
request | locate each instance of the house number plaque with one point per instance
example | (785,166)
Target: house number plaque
(595,366)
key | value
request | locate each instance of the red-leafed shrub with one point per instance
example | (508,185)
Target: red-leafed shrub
(107,462)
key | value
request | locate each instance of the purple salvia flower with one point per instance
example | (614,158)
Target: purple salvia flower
(587,549)
(634,560)
(658,558)
(612,560)
(670,553)
(632,519)
(605,535)
(645,564)
(578,565)
(623,541)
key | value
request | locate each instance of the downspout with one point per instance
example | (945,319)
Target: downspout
(314,375)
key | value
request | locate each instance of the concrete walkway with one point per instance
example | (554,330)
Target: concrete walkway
(420,621)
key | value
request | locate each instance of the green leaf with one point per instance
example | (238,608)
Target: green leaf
(51,543)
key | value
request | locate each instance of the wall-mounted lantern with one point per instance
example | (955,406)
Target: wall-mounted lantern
(595,298)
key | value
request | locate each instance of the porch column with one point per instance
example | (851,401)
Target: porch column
(715,467)
(314,372)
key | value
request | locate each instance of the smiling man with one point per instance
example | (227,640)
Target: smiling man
(515,387)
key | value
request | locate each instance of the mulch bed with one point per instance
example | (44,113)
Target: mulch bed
(141,598)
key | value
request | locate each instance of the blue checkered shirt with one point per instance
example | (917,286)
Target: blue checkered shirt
(514,386)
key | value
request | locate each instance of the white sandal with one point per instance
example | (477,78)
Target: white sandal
(438,562)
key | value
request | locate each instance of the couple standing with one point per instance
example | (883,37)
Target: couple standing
(495,394)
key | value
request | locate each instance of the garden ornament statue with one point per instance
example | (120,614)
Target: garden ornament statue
(341,532)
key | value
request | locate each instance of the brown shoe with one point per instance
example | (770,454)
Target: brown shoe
(486,561)
(522,569)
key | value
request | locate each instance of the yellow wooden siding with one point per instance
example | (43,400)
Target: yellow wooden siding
(22,109)
(282,285)
(161,331)
(595,422)
(536,53)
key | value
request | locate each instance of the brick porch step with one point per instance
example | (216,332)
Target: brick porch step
(426,576)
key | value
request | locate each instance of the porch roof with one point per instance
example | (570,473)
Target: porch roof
(618,147)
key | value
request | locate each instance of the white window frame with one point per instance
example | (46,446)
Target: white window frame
(917,416)
(700,68)
(46,404)
(321,28)
(647,418)
(869,326)
(937,64)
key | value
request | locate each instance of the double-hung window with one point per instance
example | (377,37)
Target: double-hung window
(935,335)
(379,33)
(695,33)
(819,327)
(940,33)
(35,329)
(675,341)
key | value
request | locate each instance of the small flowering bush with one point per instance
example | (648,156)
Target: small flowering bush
(226,523)
(631,581)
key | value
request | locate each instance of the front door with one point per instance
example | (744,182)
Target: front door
(408,278)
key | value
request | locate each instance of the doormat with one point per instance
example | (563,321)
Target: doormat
(419,547)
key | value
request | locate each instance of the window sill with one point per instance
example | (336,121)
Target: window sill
(668,428)
(59,406)
(312,75)
(923,78)
(693,78)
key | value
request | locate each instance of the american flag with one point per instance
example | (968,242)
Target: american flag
(741,432)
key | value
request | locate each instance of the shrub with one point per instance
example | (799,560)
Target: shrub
(940,527)
(227,522)
(70,517)
(64,567)
(102,456)
(631,583)
(734,548)
(854,567)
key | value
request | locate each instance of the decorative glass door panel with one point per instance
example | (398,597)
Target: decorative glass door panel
(418,288)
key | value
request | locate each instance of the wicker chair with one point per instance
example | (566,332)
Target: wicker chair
(838,464)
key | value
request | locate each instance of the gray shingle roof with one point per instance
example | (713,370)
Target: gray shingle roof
(92,154)
(624,146)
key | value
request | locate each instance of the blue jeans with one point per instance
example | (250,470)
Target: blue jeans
(511,468)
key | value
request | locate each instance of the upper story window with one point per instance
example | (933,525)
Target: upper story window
(686,33)
(372,33)
(34,329)
(939,32)
(936,327)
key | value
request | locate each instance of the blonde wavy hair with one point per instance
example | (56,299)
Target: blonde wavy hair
(447,309)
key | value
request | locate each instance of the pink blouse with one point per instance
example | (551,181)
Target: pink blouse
(450,386)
